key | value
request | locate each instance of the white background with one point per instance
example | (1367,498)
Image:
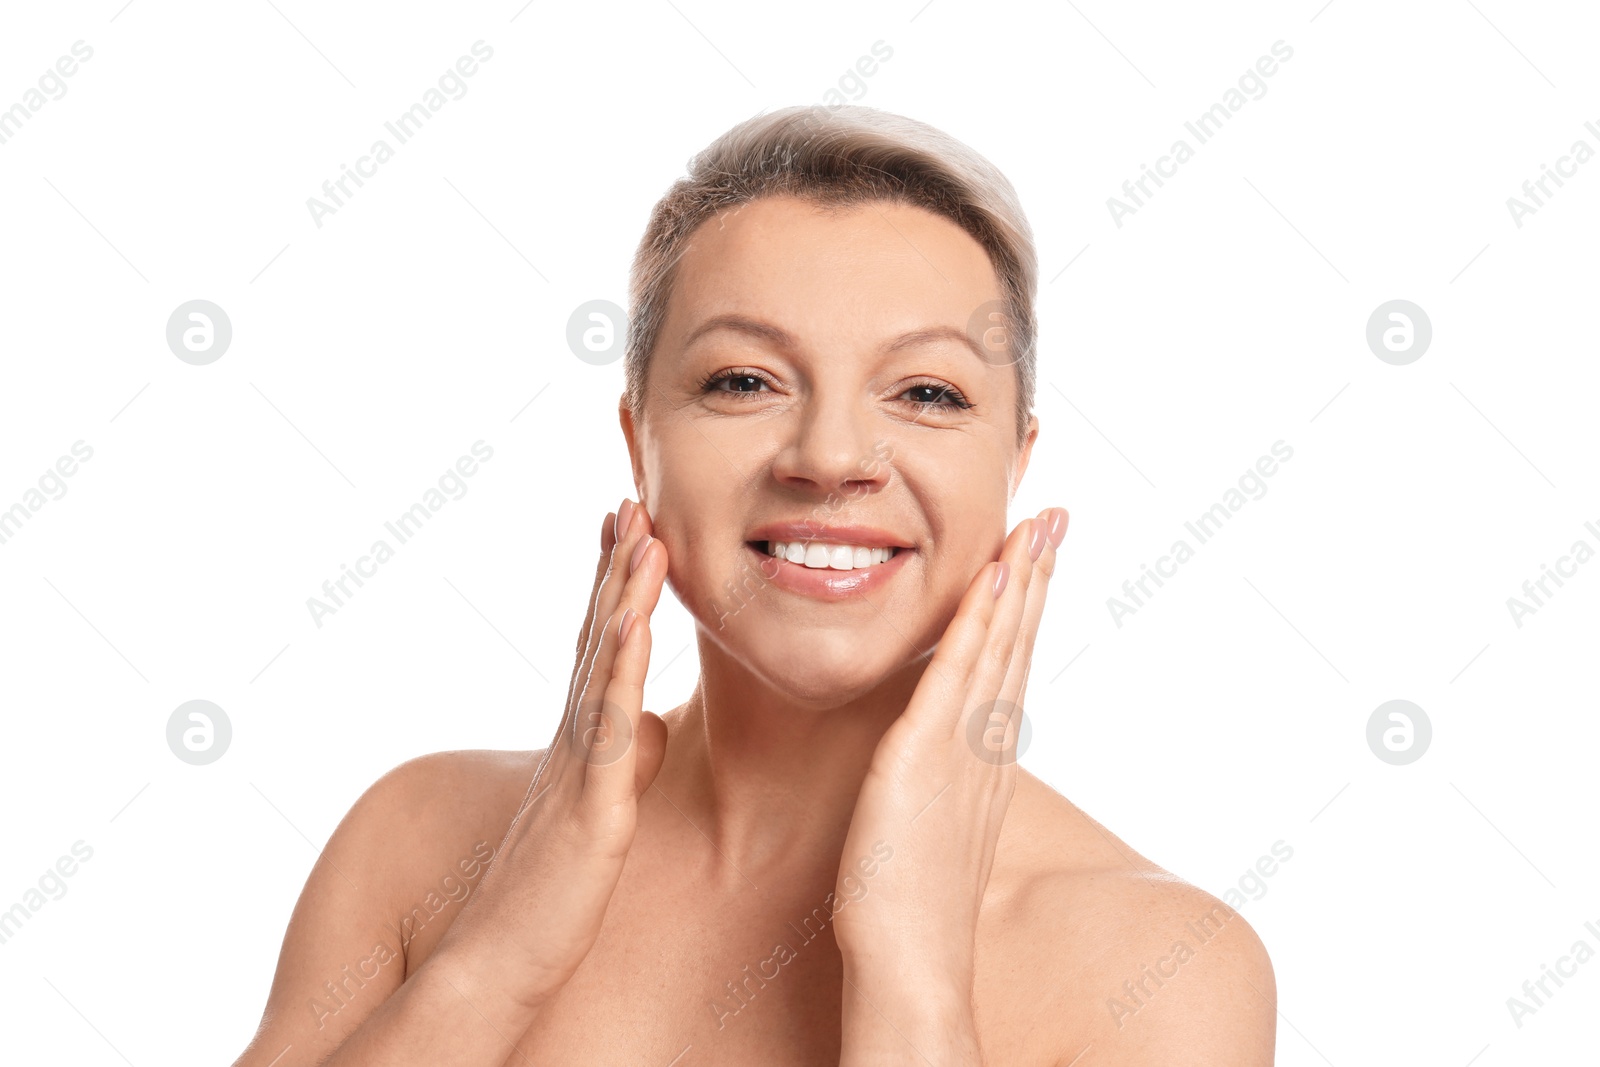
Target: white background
(1226,314)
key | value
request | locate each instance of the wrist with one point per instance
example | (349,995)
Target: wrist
(944,973)
(464,977)
(907,1017)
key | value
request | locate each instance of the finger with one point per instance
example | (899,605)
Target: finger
(998,649)
(610,709)
(1015,686)
(597,719)
(609,593)
(941,694)
(608,540)
(612,718)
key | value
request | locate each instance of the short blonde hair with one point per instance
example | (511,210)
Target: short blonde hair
(839,156)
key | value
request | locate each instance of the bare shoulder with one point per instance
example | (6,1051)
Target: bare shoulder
(382,892)
(452,810)
(1115,953)
(449,790)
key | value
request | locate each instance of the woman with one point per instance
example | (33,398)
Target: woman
(828,853)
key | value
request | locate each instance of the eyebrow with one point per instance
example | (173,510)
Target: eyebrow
(780,338)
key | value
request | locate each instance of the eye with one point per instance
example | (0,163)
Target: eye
(928,396)
(937,395)
(744,379)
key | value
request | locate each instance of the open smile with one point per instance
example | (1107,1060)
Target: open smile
(823,579)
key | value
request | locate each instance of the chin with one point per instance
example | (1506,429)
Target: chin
(819,665)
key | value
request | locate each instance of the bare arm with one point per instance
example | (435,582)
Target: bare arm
(537,911)
(342,967)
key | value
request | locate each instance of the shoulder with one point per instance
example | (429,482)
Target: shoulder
(383,890)
(431,816)
(446,786)
(1142,966)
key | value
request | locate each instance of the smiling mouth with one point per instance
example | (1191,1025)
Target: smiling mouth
(826,555)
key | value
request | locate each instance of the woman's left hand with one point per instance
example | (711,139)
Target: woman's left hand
(922,840)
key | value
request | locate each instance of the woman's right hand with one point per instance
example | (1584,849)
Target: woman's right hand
(537,911)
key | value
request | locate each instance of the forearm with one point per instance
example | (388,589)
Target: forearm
(904,1017)
(442,1016)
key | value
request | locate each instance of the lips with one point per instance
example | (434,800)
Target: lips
(822,583)
(865,536)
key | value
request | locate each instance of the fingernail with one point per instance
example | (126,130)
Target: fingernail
(624,517)
(1036,546)
(638,554)
(1058,527)
(627,624)
(1001,574)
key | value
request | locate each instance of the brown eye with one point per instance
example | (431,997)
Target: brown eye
(937,395)
(744,382)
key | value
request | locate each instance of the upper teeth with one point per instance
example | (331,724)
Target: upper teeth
(820,554)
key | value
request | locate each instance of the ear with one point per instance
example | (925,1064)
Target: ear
(1020,465)
(630,435)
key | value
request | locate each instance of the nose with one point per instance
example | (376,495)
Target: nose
(832,448)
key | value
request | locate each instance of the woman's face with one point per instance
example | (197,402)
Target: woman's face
(785,388)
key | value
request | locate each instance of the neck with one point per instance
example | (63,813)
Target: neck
(769,779)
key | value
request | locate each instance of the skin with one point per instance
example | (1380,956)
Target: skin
(935,903)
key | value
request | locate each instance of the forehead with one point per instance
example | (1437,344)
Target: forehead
(824,271)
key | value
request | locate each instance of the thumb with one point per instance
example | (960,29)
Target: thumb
(652,742)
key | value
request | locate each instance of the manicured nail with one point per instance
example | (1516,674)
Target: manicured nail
(1036,546)
(624,518)
(627,624)
(1001,574)
(1058,526)
(638,554)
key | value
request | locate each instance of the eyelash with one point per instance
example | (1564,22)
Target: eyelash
(952,398)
